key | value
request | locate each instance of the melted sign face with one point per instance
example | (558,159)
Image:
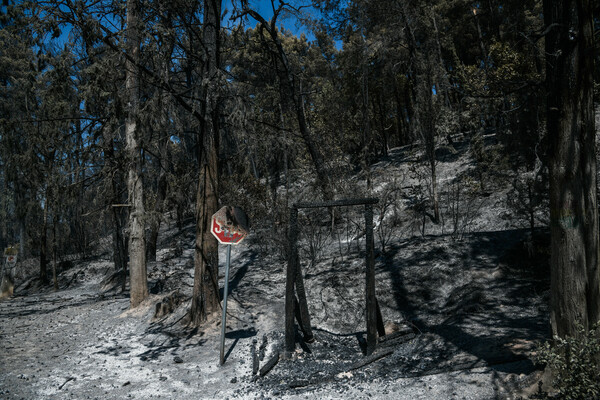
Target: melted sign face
(229,225)
(11,261)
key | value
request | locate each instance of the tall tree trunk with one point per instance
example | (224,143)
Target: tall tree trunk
(22,233)
(421,66)
(401,131)
(120,240)
(381,106)
(137,248)
(161,189)
(410,116)
(205,296)
(4,201)
(481,45)
(44,243)
(307,136)
(430,144)
(285,147)
(445,85)
(289,79)
(161,195)
(118,214)
(21,213)
(54,246)
(78,223)
(570,123)
(366,119)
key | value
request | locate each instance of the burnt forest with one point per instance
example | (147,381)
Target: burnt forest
(299,199)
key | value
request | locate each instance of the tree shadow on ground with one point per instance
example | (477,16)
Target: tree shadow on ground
(49,303)
(485,318)
(237,335)
(173,334)
(240,272)
(169,337)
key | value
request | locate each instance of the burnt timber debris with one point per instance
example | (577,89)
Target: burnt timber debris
(295,295)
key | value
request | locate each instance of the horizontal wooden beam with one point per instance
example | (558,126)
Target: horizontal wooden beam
(337,203)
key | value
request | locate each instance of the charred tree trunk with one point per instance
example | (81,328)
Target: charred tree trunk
(54,247)
(161,195)
(366,128)
(288,79)
(137,247)
(573,205)
(44,244)
(445,85)
(78,232)
(22,233)
(411,133)
(120,242)
(383,131)
(481,45)
(401,131)
(205,297)
(423,85)
(118,214)
(307,137)
(161,190)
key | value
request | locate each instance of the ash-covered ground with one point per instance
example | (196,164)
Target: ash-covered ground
(464,303)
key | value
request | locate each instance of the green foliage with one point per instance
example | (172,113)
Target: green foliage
(573,361)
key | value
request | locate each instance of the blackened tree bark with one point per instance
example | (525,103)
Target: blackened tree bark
(115,176)
(163,150)
(44,243)
(54,244)
(205,296)
(161,195)
(49,197)
(573,205)
(289,80)
(420,70)
(137,247)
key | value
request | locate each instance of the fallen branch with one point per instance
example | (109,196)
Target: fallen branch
(270,364)
(301,383)
(69,379)
(469,365)
(370,359)
(254,355)
(396,339)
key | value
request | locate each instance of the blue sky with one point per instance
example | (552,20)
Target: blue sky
(264,8)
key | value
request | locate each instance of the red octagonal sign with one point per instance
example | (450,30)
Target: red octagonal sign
(229,225)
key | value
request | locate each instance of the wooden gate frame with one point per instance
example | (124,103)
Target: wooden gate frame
(298,306)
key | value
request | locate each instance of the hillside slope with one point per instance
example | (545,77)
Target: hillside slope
(464,303)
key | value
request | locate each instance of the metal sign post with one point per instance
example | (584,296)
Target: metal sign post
(230,226)
(224,318)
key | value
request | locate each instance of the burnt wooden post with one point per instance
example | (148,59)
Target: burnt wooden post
(295,283)
(370,290)
(380,326)
(304,319)
(290,281)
